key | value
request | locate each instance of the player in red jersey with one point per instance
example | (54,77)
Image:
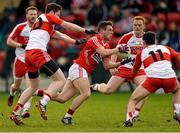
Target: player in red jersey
(36,57)
(95,51)
(18,38)
(124,72)
(156,60)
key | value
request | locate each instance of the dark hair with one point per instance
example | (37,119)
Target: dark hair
(31,8)
(149,37)
(53,7)
(104,24)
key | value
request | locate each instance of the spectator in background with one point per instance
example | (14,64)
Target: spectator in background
(97,12)
(8,26)
(78,8)
(174,37)
(125,24)
(162,34)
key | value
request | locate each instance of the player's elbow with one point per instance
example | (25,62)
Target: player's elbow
(8,42)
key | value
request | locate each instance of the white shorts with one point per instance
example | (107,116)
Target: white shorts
(76,71)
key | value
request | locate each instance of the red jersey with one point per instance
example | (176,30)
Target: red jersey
(88,57)
(21,34)
(41,31)
(156,60)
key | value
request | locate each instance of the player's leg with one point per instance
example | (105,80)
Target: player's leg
(176,104)
(138,80)
(54,72)
(26,107)
(139,93)
(172,85)
(113,84)
(18,73)
(67,92)
(34,81)
(83,85)
(13,90)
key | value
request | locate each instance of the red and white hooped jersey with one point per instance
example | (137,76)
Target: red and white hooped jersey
(41,31)
(21,34)
(88,57)
(156,60)
(136,45)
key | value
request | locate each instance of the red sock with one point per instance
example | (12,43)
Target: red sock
(18,108)
(70,111)
(40,92)
(137,109)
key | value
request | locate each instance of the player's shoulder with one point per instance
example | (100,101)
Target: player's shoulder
(22,24)
(128,35)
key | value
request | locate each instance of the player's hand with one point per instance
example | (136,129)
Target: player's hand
(113,71)
(123,48)
(82,41)
(89,31)
(23,46)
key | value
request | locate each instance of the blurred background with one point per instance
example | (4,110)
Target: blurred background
(162,16)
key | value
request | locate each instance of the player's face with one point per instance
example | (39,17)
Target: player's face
(108,33)
(138,27)
(31,16)
(58,13)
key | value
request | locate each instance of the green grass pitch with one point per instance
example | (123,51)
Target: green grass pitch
(100,113)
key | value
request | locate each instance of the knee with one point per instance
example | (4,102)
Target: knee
(61,100)
(108,90)
(86,95)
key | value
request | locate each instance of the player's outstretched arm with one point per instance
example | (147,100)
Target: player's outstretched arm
(74,27)
(67,39)
(108,64)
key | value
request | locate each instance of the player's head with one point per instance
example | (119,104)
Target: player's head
(54,8)
(149,38)
(138,25)
(31,14)
(105,28)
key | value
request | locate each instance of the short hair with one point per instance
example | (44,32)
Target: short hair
(53,7)
(104,24)
(31,8)
(149,37)
(139,18)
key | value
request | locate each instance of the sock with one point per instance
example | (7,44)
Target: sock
(177,108)
(129,116)
(45,99)
(136,112)
(40,92)
(95,87)
(17,109)
(69,113)
(26,106)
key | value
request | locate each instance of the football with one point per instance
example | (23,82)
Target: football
(122,55)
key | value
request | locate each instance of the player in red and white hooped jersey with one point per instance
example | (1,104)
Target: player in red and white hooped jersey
(124,71)
(36,57)
(18,38)
(156,60)
(95,51)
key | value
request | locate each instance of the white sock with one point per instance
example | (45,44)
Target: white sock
(136,113)
(45,100)
(95,87)
(177,108)
(26,106)
(67,115)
